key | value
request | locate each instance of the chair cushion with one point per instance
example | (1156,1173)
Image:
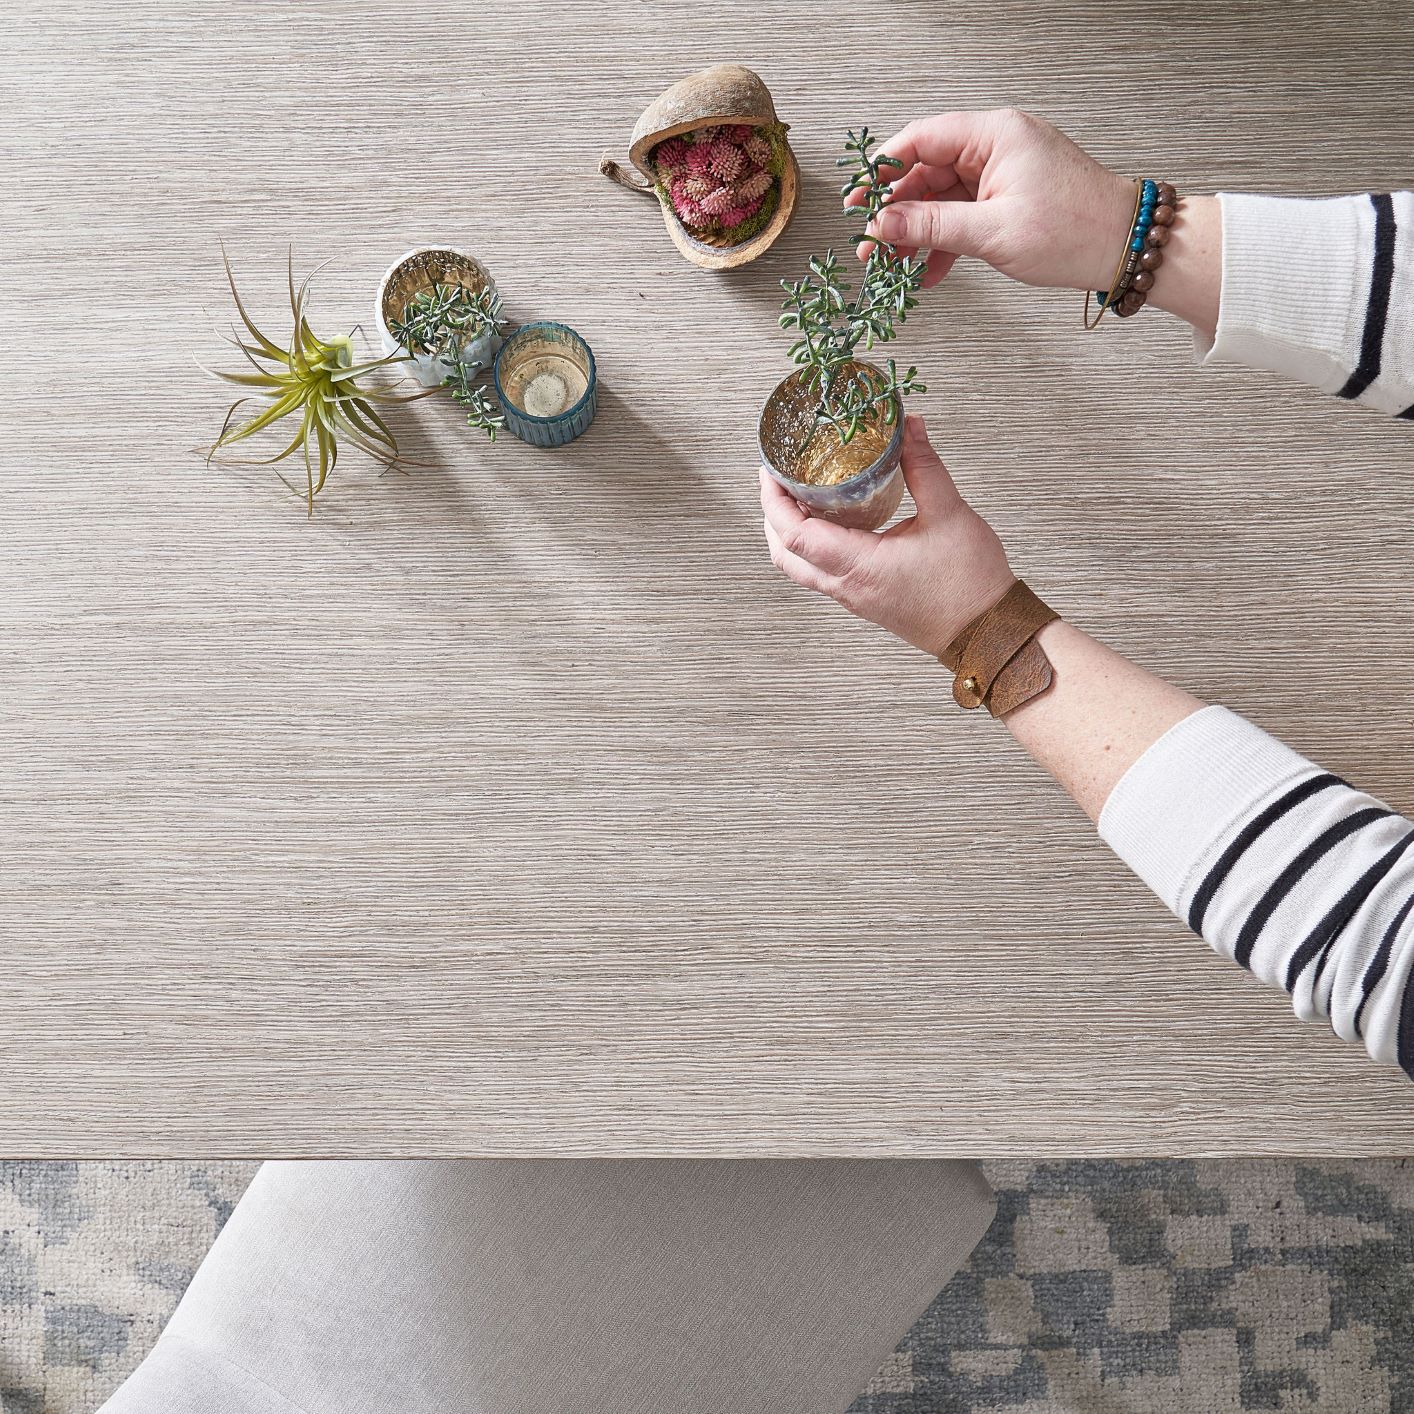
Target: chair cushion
(561,1287)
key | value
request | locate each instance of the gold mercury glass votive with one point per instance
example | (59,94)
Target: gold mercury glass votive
(857,483)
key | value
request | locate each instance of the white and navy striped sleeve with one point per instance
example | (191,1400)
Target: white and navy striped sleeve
(1323,292)
(1282,867)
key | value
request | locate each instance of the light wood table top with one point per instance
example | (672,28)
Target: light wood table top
(515,805)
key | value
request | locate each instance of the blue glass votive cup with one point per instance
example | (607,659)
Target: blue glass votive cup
(546,383)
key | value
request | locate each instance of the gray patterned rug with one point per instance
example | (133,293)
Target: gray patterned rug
(1102,1288)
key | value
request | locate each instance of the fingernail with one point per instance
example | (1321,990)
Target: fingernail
(888,224)
(917,428)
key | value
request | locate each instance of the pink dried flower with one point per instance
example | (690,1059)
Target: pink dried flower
(699,159)
(716,202)
(671,156)
(753,187)
(727,161)
(740,132)
(689,212)
(735,215)
(758,149)
(706,136)
(696,187)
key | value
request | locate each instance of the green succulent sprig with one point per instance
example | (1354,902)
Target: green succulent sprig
(836,323)
(316,380)
(441,321)
(482,414)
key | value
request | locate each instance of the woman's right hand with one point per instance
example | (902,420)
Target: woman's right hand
(1007,188)
(925,578)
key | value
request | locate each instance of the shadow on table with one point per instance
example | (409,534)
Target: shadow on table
(624,469)
(645,461)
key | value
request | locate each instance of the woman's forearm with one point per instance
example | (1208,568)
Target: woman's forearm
(1189,284)
(1100,715)
(1321,291)
(1277,864)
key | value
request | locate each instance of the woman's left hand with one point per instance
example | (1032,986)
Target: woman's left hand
(924,579)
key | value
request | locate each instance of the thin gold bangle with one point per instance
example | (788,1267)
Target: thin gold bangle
(1107,303)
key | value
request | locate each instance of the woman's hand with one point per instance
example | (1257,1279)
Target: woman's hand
(924,579)
(1009,189)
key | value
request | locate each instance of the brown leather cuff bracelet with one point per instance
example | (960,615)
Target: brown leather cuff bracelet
(996,657)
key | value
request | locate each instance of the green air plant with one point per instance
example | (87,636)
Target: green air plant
(441,321)
(315,380)
(835,325)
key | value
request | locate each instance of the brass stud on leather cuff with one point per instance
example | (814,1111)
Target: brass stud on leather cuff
(996,657)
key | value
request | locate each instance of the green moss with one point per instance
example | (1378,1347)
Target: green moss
(777,134)
(757,223)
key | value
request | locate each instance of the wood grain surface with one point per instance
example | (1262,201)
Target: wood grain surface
(514,805)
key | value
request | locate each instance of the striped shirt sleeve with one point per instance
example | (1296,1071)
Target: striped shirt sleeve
(1322,292)
(1280,866)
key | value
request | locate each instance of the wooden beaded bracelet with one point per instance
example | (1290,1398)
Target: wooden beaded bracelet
(1156,205)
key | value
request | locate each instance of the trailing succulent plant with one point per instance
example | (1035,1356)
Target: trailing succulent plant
(836,325)
(724,181)
(441,321)
(315,380)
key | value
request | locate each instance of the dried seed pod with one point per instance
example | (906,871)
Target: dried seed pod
(725,102)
